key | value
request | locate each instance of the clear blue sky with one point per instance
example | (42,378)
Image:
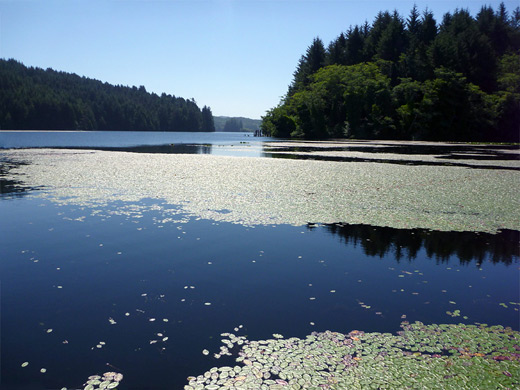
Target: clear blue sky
(237,57)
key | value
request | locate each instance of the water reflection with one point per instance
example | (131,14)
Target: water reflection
(407,243)
(432,155)
(452,151)
(163,149)
(9,187)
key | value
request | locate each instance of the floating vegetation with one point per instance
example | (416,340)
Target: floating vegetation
(455,313)
(109,380)
(420,356)
(341,199)
(273,191)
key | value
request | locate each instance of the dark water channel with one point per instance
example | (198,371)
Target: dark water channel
(142,289)
(444,155)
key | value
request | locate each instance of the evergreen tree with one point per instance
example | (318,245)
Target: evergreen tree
(207,119)
(392,41)
(314,59)
(463,48)
(355,45)
(383,19)
(337,51)
(428,30)
(515,20)
(413,24)
(414,62)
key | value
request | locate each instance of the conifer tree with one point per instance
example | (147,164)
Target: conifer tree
(314,59)
(208,123)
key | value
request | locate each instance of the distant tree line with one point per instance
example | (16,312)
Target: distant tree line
(225,123)
(409,79)
(233,124)
(36,99)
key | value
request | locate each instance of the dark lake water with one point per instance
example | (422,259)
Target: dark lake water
(142,289)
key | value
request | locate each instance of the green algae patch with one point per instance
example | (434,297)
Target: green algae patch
(418,357)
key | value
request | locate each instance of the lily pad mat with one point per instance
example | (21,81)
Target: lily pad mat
(420,357)
(280,191)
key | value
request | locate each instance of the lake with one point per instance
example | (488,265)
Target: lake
(134,252)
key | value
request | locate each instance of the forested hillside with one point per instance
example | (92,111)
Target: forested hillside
(409,78)
(37,99)
(226,123)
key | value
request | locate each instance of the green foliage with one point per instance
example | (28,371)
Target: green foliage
(340,101)
(37,99)
(416,79)
(278,123)
(446,108)
(407,97)
(445,356)
(509,73)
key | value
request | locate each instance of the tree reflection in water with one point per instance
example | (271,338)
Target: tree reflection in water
(406,243)
(10,188)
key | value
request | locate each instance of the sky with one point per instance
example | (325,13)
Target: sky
(235,56)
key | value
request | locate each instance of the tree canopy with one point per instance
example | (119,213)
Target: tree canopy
(409,78)
(37,99)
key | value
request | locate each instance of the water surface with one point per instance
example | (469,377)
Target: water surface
(218,143)
(142,286)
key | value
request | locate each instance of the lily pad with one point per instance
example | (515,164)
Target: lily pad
(424,356)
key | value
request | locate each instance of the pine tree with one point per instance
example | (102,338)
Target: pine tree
(355,44)
(383,19)
(392,41)
(314,59)
(208,123)
(336,52)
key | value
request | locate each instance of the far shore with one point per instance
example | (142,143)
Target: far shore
(50,131)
